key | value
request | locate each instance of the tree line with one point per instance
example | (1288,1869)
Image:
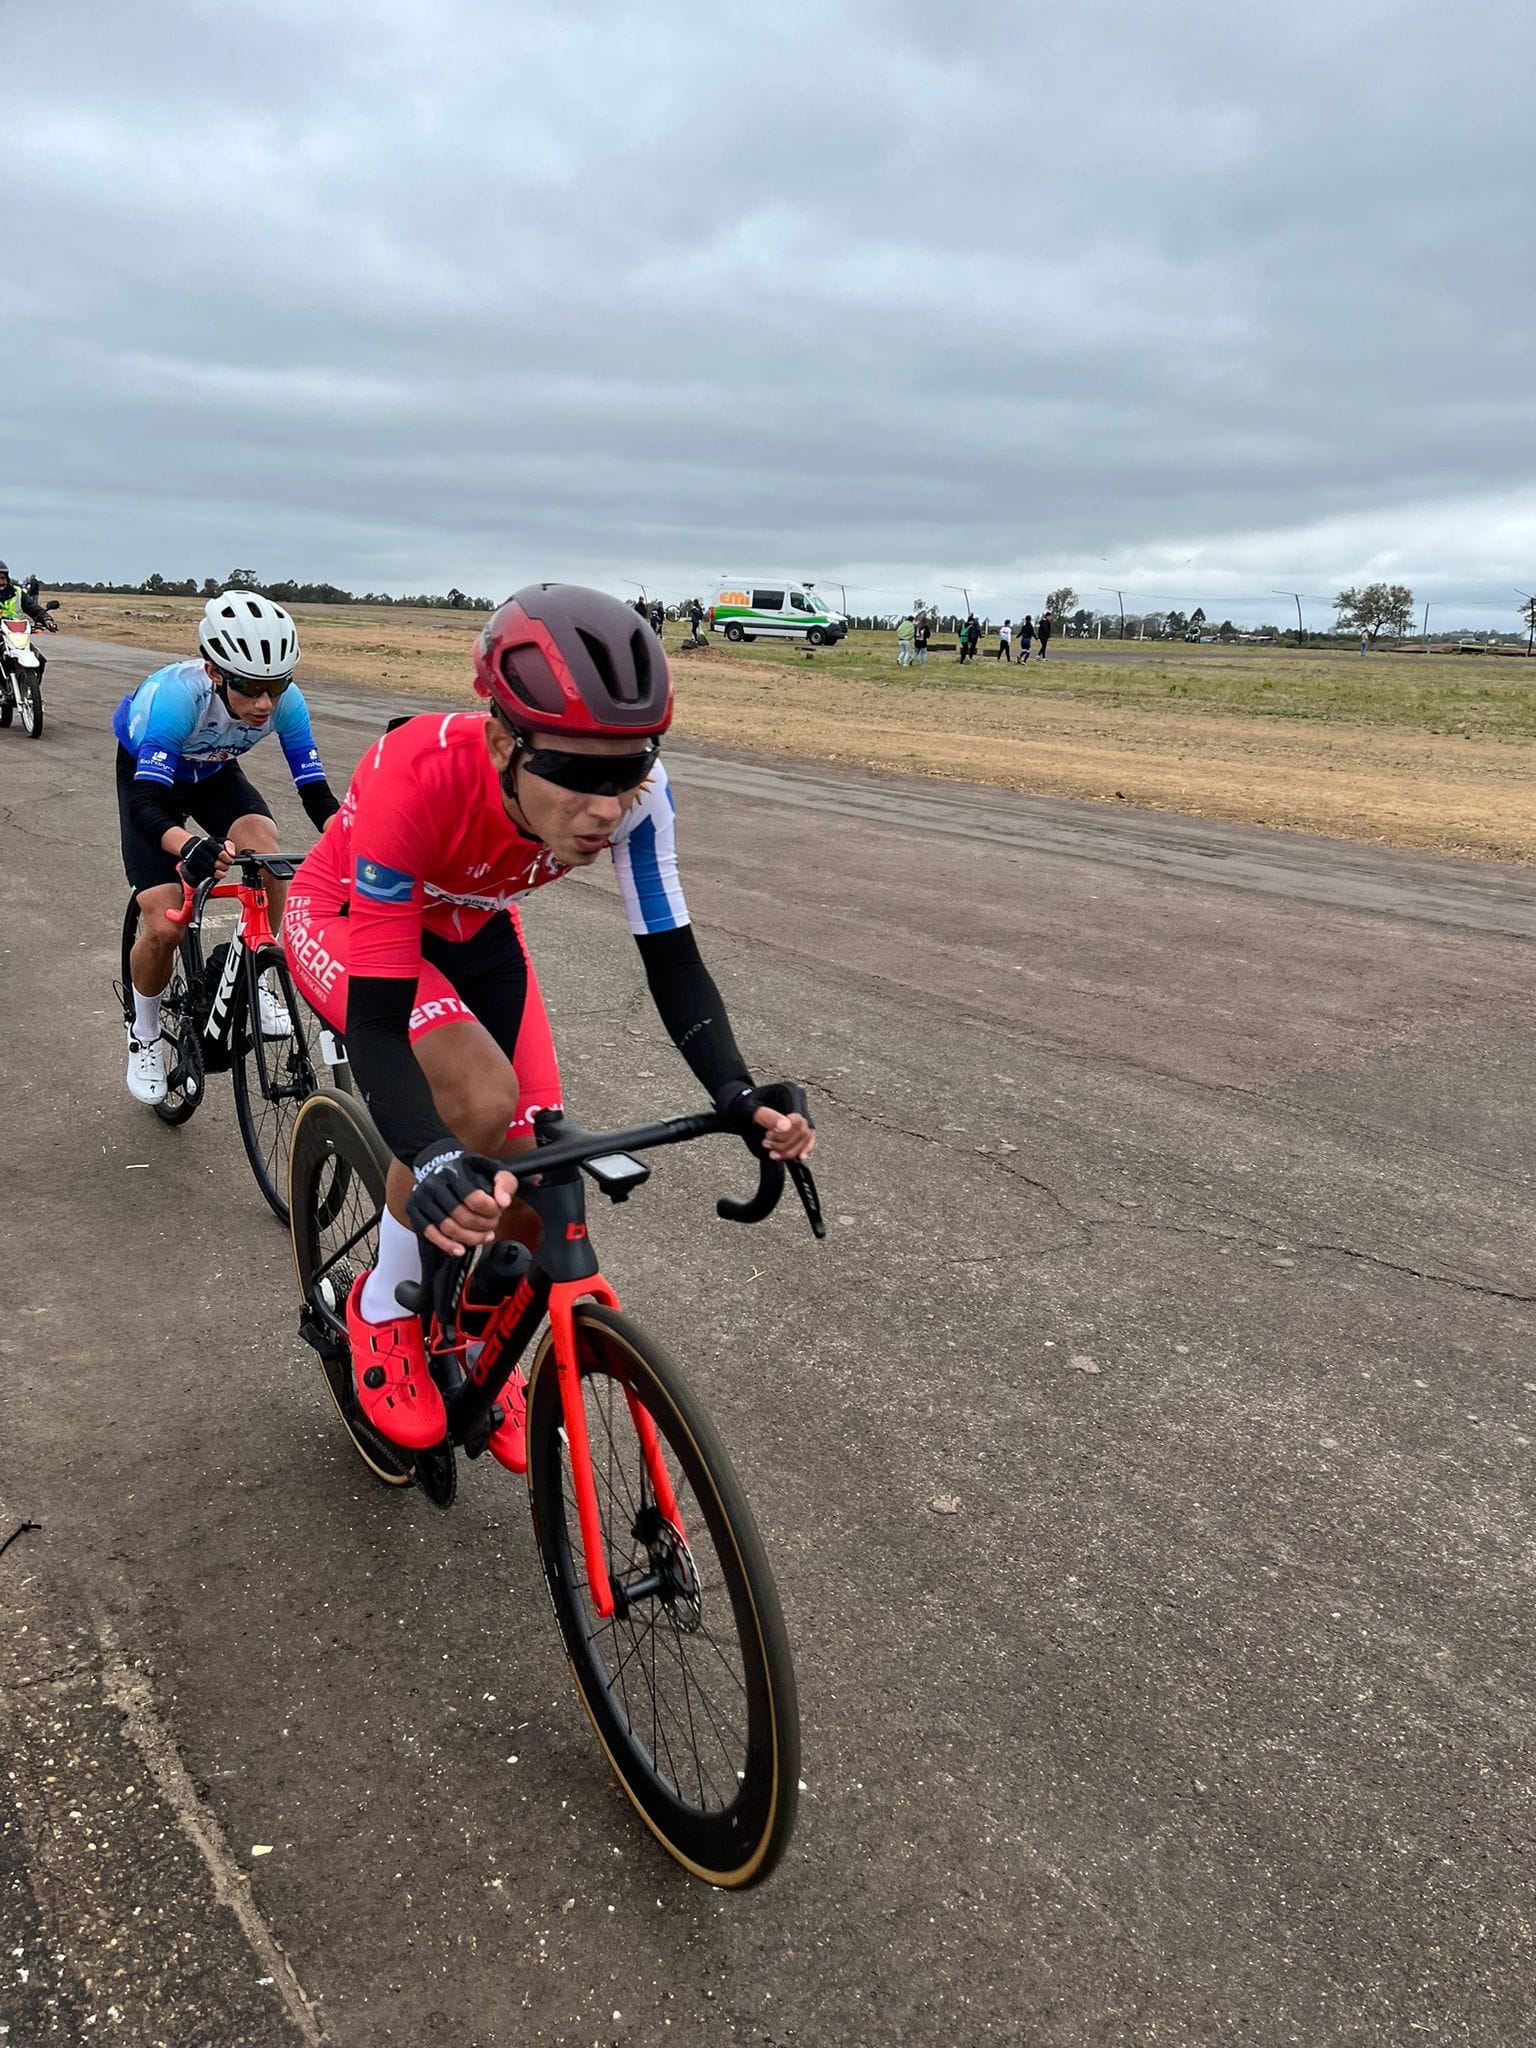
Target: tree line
(286,590)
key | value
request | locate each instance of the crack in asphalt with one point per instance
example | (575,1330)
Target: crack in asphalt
(1089,1227)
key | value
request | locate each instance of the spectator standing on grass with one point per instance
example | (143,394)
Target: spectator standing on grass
(970,633)
(1005,641)
(920,640)
(1026,636)
(1043,632)
(658,618)
(696,619)
(1365,641)
(905,633)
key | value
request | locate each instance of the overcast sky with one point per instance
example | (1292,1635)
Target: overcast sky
(1195,298)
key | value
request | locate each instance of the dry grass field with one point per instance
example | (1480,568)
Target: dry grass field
(1428,752)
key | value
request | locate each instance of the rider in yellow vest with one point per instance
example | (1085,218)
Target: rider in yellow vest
(16,603)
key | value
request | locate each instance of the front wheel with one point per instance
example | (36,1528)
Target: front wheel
(272,1075)
(816,637)
(689,1682)
(7,702)
(29,695)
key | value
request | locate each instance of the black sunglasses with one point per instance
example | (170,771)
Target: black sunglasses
(591,774)
(273,687)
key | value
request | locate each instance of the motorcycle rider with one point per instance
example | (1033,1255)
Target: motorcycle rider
(16,603)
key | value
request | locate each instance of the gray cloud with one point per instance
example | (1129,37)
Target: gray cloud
(1196,299)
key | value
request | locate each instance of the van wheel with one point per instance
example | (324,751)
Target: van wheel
(816,637)
(750,638)
(733,632)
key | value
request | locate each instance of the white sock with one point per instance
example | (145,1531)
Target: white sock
(399,1259)
(146,1018)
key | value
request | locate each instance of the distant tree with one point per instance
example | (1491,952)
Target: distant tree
(1528,617)
(153,586)
(457,600)
(210,588)
(1178,625)
(1062,601)
(1226,630)
(241,579)
(1378,606)
(1196,621)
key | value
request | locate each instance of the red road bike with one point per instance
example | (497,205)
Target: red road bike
(211,1020)
(659,1580)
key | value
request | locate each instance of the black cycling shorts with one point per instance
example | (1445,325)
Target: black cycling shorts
(214,804)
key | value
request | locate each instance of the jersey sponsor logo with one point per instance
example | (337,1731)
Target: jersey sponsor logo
(383,885)
(439,1010)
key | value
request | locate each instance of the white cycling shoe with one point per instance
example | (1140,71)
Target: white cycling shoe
(275,1020)
(146,1070)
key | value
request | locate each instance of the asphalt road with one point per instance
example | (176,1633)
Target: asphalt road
(1145,1459)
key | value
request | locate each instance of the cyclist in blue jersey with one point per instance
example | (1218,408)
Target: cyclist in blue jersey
(181,736)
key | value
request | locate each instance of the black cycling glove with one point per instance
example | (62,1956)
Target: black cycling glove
(199,860)
(446,1177)
(738,1100)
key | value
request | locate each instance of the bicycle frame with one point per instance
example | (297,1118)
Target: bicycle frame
(253,931)
(563,1271)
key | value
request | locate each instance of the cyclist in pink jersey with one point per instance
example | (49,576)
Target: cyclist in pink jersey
(402,930)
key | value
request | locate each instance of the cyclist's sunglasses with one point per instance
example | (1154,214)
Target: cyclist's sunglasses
(272,687)
(591,774)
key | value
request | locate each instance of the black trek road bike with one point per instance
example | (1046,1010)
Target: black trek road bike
(658,1577)
(211,1021)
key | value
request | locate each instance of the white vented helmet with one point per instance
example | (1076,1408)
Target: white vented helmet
(249,636)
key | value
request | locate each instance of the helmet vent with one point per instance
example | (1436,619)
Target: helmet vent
(602,661)
(527,673)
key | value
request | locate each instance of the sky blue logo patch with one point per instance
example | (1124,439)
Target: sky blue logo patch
(383,885)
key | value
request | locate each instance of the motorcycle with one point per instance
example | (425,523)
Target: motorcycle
(21,674)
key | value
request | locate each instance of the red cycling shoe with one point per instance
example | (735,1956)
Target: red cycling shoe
(508,1444)
(395,1391)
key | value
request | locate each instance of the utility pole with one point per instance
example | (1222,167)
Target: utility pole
(1121,595)
(1426,629)
(964,593)
(1301,631)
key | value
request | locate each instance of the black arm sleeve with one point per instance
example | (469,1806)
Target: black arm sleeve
(393,1085)
(689,1004)
(147,811)
(320,803)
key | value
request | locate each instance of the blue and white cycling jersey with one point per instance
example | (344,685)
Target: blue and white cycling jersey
(645,859)
(178,729)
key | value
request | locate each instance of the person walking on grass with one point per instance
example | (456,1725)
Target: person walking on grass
(1005,641)
(904,633)
(1026,637)
(920,640)
(1043,632)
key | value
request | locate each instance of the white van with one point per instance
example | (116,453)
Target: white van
(774,610)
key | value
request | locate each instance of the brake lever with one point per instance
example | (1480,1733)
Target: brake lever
(805,1188)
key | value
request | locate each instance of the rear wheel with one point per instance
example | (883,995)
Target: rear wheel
(29,696)
(179,1035)
(733,633)
(689,1682)
(337,1165)
(7,702)
(272,1076)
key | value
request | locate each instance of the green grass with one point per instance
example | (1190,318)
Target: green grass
(1489,697)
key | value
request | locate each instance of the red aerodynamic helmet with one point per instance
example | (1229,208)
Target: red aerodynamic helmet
(560,658)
